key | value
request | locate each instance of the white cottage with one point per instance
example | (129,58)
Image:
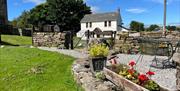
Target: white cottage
(100,22)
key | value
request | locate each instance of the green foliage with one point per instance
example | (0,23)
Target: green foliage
(40,15)
(171,28)
(152,86)
(68,13)
(31,69)
(22,20)
(153,27)
(137,26)
(100,75)
(99,50)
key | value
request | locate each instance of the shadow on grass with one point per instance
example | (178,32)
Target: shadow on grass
(9,44)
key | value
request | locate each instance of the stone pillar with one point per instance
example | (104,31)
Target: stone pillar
(176,58)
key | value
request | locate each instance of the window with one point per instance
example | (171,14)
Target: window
(105,24)
(1,22)
(90,24)
(109,23)
(86,24)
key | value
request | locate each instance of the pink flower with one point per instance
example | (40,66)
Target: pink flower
(132,63)
(150,73)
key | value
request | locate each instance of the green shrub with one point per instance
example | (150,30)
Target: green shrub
(100,75)
(99,50)
(152,86)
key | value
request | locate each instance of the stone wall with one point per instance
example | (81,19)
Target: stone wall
(178,77)
(151,34)
(48,39)
(176,59)
(125,43)
(84,77)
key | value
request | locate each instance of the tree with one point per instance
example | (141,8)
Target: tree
(14,22)
(68,13)
(40,15)
(22,20)
(153,27)
(137,26)
(171,28)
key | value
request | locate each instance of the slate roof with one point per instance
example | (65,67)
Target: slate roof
(100,17)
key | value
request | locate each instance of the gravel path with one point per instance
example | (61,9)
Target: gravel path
(164,77)
(73,53)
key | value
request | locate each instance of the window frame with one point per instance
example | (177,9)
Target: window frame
(86,24)
(90,24)
(109,23)
(105,23)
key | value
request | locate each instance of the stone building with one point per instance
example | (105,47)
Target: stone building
(3,12)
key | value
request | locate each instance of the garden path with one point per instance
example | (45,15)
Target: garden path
(73,53)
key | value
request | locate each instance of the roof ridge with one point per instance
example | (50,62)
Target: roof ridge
(101,13)
(100,17)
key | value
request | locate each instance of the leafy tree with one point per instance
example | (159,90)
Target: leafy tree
(14,23)
(68,13)
(171,28)
(152,27)
(40,15)
(21,21)
(137,26)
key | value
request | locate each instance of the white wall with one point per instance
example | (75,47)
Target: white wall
(100,25)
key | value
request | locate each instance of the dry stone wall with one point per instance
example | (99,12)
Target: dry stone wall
(176,58)
(125,43)
(178,77)
(48,39)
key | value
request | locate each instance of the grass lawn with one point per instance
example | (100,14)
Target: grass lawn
(31,69)
(16,40)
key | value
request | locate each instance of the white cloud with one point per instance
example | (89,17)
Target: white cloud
(95,9)
(136,10)
(34,1)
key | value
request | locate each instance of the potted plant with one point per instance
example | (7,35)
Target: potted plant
(131,79)
(143,80)
(98,56)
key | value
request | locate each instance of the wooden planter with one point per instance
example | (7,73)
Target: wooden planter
(123,83)
(97,63)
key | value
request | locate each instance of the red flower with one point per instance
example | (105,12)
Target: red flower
(150,73)
(143,78)
(131,71)
(132,63)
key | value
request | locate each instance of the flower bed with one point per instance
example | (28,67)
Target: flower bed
(130,80)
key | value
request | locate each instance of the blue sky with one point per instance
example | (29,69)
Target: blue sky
(146,11)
